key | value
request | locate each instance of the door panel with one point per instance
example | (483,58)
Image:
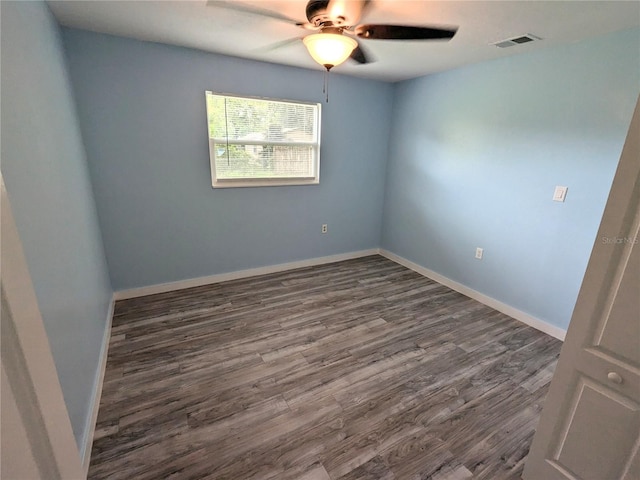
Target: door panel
(590,425)
(589,438)
(618,335)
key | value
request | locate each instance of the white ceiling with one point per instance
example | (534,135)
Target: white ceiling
(208,27)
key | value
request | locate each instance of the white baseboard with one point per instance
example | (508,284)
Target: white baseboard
(530,320)
(85,454)
(252,272)
(534,322)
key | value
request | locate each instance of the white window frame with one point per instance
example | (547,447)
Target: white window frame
(264,182)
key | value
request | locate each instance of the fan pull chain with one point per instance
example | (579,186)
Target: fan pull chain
(325,85)
(324,82)
(328,73)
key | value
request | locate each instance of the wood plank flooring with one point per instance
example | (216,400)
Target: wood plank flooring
(355,370)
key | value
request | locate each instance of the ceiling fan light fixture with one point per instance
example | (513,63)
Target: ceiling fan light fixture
(329,49)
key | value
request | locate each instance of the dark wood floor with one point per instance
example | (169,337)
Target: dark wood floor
(356,370)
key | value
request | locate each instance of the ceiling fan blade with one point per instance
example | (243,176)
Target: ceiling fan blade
(277,45)
(246,8)
(403,32)
(360,56)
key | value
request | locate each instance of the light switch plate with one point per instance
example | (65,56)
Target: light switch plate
(560,194)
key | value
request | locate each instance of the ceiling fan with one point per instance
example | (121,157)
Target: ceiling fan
(338,31)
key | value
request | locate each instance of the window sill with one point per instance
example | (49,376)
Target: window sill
(276,182)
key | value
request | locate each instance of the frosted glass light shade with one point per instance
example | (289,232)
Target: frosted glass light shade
(329,49)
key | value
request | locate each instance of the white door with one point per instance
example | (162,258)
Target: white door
(36,436)
(590,425)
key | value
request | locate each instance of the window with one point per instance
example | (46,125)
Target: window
(262,142)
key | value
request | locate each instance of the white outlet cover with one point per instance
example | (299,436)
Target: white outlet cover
(479,252)
(560,193)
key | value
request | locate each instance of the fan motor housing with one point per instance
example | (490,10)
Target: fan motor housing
(317,14)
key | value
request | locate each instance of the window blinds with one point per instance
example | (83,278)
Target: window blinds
(253,138)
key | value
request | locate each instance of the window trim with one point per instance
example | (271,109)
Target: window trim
(264,182)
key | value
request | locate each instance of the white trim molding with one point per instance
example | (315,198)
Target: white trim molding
(38,440)
(85,453)
(523,317)
(251,272)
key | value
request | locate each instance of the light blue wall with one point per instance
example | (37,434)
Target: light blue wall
(142,111)
(43,165)
(474,157)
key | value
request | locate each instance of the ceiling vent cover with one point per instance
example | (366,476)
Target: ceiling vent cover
(516,41)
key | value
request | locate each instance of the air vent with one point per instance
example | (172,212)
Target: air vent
(511,42)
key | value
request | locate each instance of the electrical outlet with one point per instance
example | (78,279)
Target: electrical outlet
(324,228)
(479,252)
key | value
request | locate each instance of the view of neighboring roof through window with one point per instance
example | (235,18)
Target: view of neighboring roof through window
(262,142)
